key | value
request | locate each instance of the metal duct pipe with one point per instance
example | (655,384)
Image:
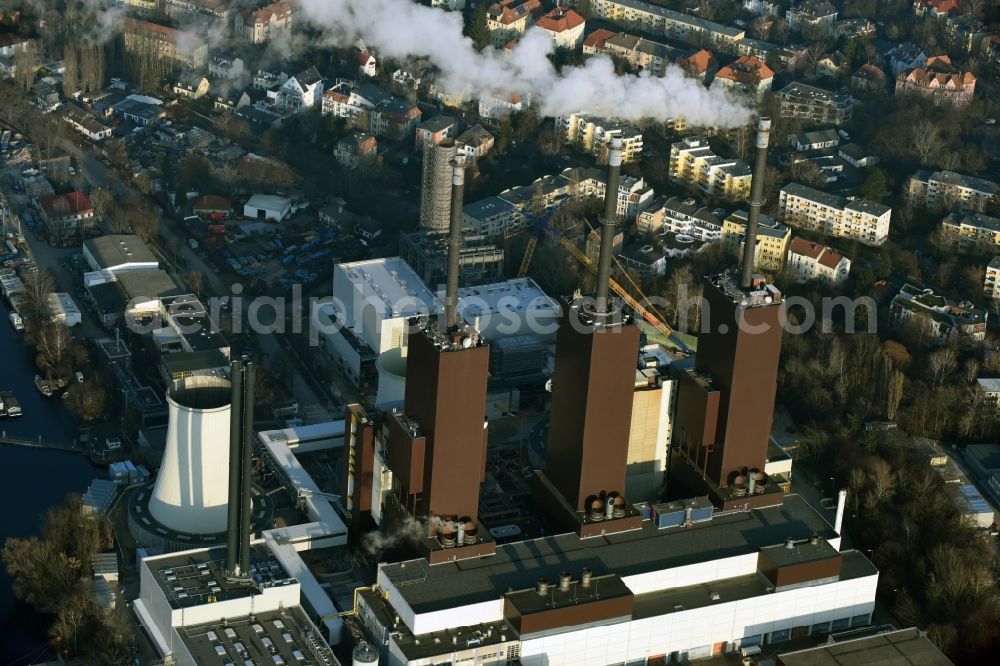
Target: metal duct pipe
(756,199)
(454,241)
(609,224)
(248,437)
(235,467)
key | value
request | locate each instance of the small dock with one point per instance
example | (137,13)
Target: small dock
(39,443)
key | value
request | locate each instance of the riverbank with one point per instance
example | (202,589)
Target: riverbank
(31,481)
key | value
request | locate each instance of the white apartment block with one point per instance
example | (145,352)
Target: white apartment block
(991,285)
(681,217)
(509,19)
(694,163)
(492,216)
(859,219)
(667,22)
(951,189)
(593,135)
(812,261)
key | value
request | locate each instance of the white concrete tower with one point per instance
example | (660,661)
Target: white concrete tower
(192,488)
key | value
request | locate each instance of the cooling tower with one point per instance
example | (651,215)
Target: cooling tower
(391,366)
(191,490)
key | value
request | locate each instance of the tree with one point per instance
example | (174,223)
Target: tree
(87,400)
(940,365)
(874,186)
(926,139)
(893,393)
(195,173)
(196,280)
(477,28)
(54,344)
(38,286)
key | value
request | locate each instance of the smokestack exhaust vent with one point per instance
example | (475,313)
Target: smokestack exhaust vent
(454,242)
(241,435)
(756,200)
(609,225)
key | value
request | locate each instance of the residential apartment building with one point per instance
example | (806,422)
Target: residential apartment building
(868,78)
(434,130)
(667,22)
(67,218)
(492,216)
(681,216)
(944,318)
(952,190)
(509,19)
(991,283)
(807,208)
(798,100)
(356,149)
(549,192)
(369,108)
(301,92)
(592,134)
(211,9)
(816,16)
(971,231)
(694,163)
(143,37)
(771,246)
(762,7)
(225,67)
(564,27)
(642,54)
(812,261)
(747,74)
(940,86)
(475,142)
(260,25)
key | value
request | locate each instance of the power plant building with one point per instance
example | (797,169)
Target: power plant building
(652,420)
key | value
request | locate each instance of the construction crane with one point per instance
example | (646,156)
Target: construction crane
(541,226)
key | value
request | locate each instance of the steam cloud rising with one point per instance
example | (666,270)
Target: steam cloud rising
(402,29)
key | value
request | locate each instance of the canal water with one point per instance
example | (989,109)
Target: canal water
(31,481)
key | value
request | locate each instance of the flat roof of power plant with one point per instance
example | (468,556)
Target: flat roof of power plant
(895,648)
(190,578)
(286,634)
(519,565)
(391,282)
(517,295)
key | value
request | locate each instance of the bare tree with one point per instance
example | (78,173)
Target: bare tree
(196,280)
(940,365)
(38,286)
(926,139)
(881,481)
(54,344)
(893,393)
(86,400)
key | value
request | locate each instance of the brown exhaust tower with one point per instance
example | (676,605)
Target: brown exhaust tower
(725,404)
(437,444)
(596,349)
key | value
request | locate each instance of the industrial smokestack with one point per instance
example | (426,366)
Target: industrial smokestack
(454,241)
(240,453)
(756,199)
(609,224)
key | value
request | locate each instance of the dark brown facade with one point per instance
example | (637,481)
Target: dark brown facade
(790,566)
(604,598)
(359,465)
(740,355)
(446,399)
(592,395)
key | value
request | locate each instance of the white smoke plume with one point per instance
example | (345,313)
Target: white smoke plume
(410,531)
(401,29)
